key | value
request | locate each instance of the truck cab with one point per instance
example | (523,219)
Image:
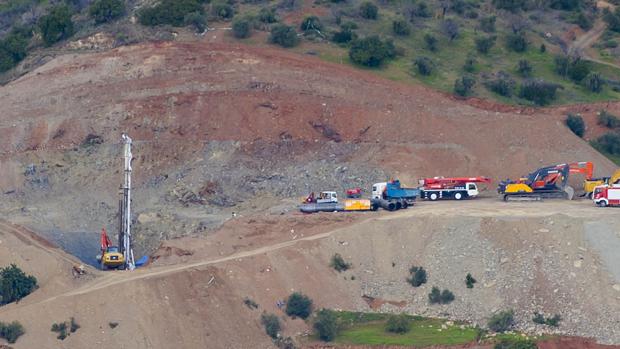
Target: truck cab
(327,196)
(606,195)
(472,189)
(378,189)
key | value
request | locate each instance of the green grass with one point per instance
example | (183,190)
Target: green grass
(369,329)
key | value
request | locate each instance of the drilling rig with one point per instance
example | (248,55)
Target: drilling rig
(121,256)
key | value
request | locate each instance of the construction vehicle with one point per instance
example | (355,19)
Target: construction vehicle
(392,196)
(456,188)
(121,256)
(544,183)
(327,201)
(590,183)
(607,195)
(110,257)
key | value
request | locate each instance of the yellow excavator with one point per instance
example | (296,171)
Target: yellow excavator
(590,184)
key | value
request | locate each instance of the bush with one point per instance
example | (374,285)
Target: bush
(609,142)
(450,28)
(431,42)
(61,329)
(539,91)
(417,274)
(338,263)
(271,323)
(566,5)
(283,35)
(369,10)
(222,10)
(241,28)
(542,48)
(553,321)
(575,123)
(524,68)
(344,35)
(583,21)
(470,281)
(11,331)
(509,5)
(15,284)
(73,325)
(608,120)
(484,44)
(371,51)
(463,85)
(425,67)
(401,27)
(106,10)
(196,20)
(538,318)
(398,324)
(594,82)
(326,324)
(267,15)
(435,296)
(612,19)
(470,64)
(311,23)
(13,49)
(422,10)
(572,67)
(487,24)
(502,321)
(170,12)
(515,344)
(517,41)
(56,25)
(299,305)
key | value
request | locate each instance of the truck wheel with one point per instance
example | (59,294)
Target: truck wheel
(602,203)
(433,196)
(404,205)
(458,196)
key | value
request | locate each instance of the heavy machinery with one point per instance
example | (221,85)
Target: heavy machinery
(121,256)
(327,201)
(110,256)
(450,188)
(392,196)
(590,183)
(544,183)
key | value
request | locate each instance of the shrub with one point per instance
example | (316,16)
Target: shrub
(446,297)
(11,331)
(470,281)
(608,120)
(15,284)
(338,263)
(73,325)
(509,5)
(609,142)
(422,10)
(13,49)
(283,35)
(299,305)
(61,330)
(463,85)
(484,44)
(326,324)
(56,25)
(566,5)
(612,19)
(502,321)
(524,68)
(487,24)
(344,35)
(572,67)
(369,10)
(435,296)
(583,21)
(112,324)
(538,91)
(196,20)
(470,64)
(575,123)
(553,321)
(594,82)
(170,12)
(241,28)
(517,41)
(271,323)
(401,27)
(515,344)
(538,318)
(417,274)
(542,48)
(371,51)
(106,10)
(222,10)
(267,15)
(398,324)
(311,23)
(250,303)
(431,42)
(450,28)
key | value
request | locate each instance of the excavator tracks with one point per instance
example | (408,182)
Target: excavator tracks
(566,193)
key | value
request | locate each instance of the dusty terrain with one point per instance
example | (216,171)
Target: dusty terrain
(525,257)
(227,138)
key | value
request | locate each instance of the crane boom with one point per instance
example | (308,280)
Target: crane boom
(125,233)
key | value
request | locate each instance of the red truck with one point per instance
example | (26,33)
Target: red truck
(607,195)
(450,188)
